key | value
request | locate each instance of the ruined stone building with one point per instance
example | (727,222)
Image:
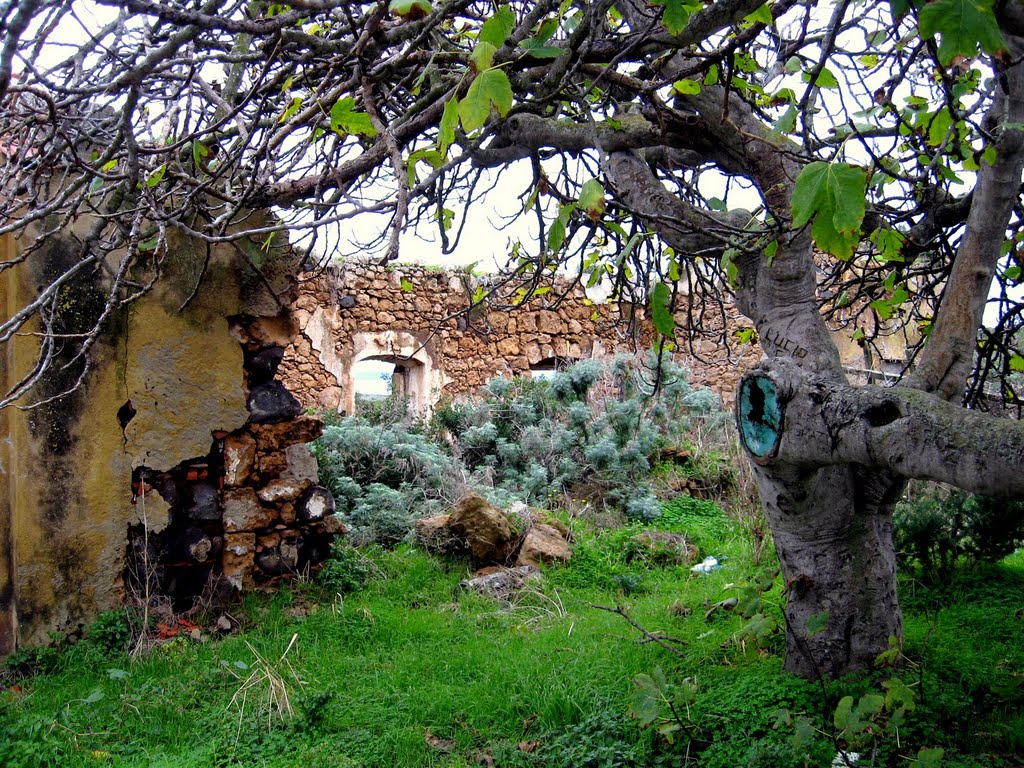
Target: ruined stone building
(415,317)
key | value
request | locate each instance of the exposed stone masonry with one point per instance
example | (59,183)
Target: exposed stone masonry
(415,316)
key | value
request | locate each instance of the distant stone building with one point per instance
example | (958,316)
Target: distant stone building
(416,318)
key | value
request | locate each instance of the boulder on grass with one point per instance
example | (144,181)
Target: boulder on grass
(543,544)
(433,535)
(499,583)
(663,548)
(484,528)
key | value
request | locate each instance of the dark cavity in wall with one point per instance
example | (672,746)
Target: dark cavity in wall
(181,561)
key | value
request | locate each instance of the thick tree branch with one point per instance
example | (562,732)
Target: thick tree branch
(788,417)
(946,362)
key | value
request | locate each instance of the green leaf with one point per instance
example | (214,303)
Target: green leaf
(844,717)
(928,758)
(900,8)
(786,123)
(759,627)
(961,25)
(646,702)
(938,129)
(711,78)
(430,156)
(291,110)
(825,78)
(732,272)
(345,119)
(556,235)
(887,307)
(483,56)
(534,47)
(898,695)
(479,294)
(1016,363)
(412,8)
(661,316)
(816,623)
(687,87)
(156,176)
(490,87)
(746,335)
(446,128)
(592,198)
(96,695)
(870,704)
(833,194)
(406,285)
(804,732)
(676,14)
(763,15)
(497,28)
(889,243)
(199,153)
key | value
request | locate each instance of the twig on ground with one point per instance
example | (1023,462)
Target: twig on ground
(664,641)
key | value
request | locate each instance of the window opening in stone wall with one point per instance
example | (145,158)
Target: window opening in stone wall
(546,369)
(380,380)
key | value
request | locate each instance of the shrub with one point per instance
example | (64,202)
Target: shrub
(112,631)
(591,425)
(943,527)
(384,477)
(346,570)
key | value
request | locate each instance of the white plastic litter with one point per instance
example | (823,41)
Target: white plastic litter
(845,759)
(708,565)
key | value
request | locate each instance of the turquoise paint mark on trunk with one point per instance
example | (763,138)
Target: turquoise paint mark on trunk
(760,415)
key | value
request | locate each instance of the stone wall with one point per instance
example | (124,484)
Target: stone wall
(415,317)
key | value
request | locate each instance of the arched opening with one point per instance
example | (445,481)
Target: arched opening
(372,379)
(392,363)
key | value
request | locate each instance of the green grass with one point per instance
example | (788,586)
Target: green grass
(410,671)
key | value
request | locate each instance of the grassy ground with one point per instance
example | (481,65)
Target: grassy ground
(410,671)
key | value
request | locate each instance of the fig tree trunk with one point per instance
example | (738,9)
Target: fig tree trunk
(830,461)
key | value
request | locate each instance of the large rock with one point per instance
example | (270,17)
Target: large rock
(271,403)
(202,502)
(286,489)
(434,535)
(484,529)
(237,559)
(262,365)
(543,544)
(316,505)
(239,459)
(276,437)
(499,583)
(663,548)
(302,464)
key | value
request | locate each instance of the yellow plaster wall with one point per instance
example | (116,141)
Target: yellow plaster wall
(66,536)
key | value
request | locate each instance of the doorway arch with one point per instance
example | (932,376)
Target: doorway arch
(414,374)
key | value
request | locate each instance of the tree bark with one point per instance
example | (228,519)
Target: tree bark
(835,547)
(829,461)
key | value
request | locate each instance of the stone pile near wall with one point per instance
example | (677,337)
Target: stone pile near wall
(247,513)
(359,311)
